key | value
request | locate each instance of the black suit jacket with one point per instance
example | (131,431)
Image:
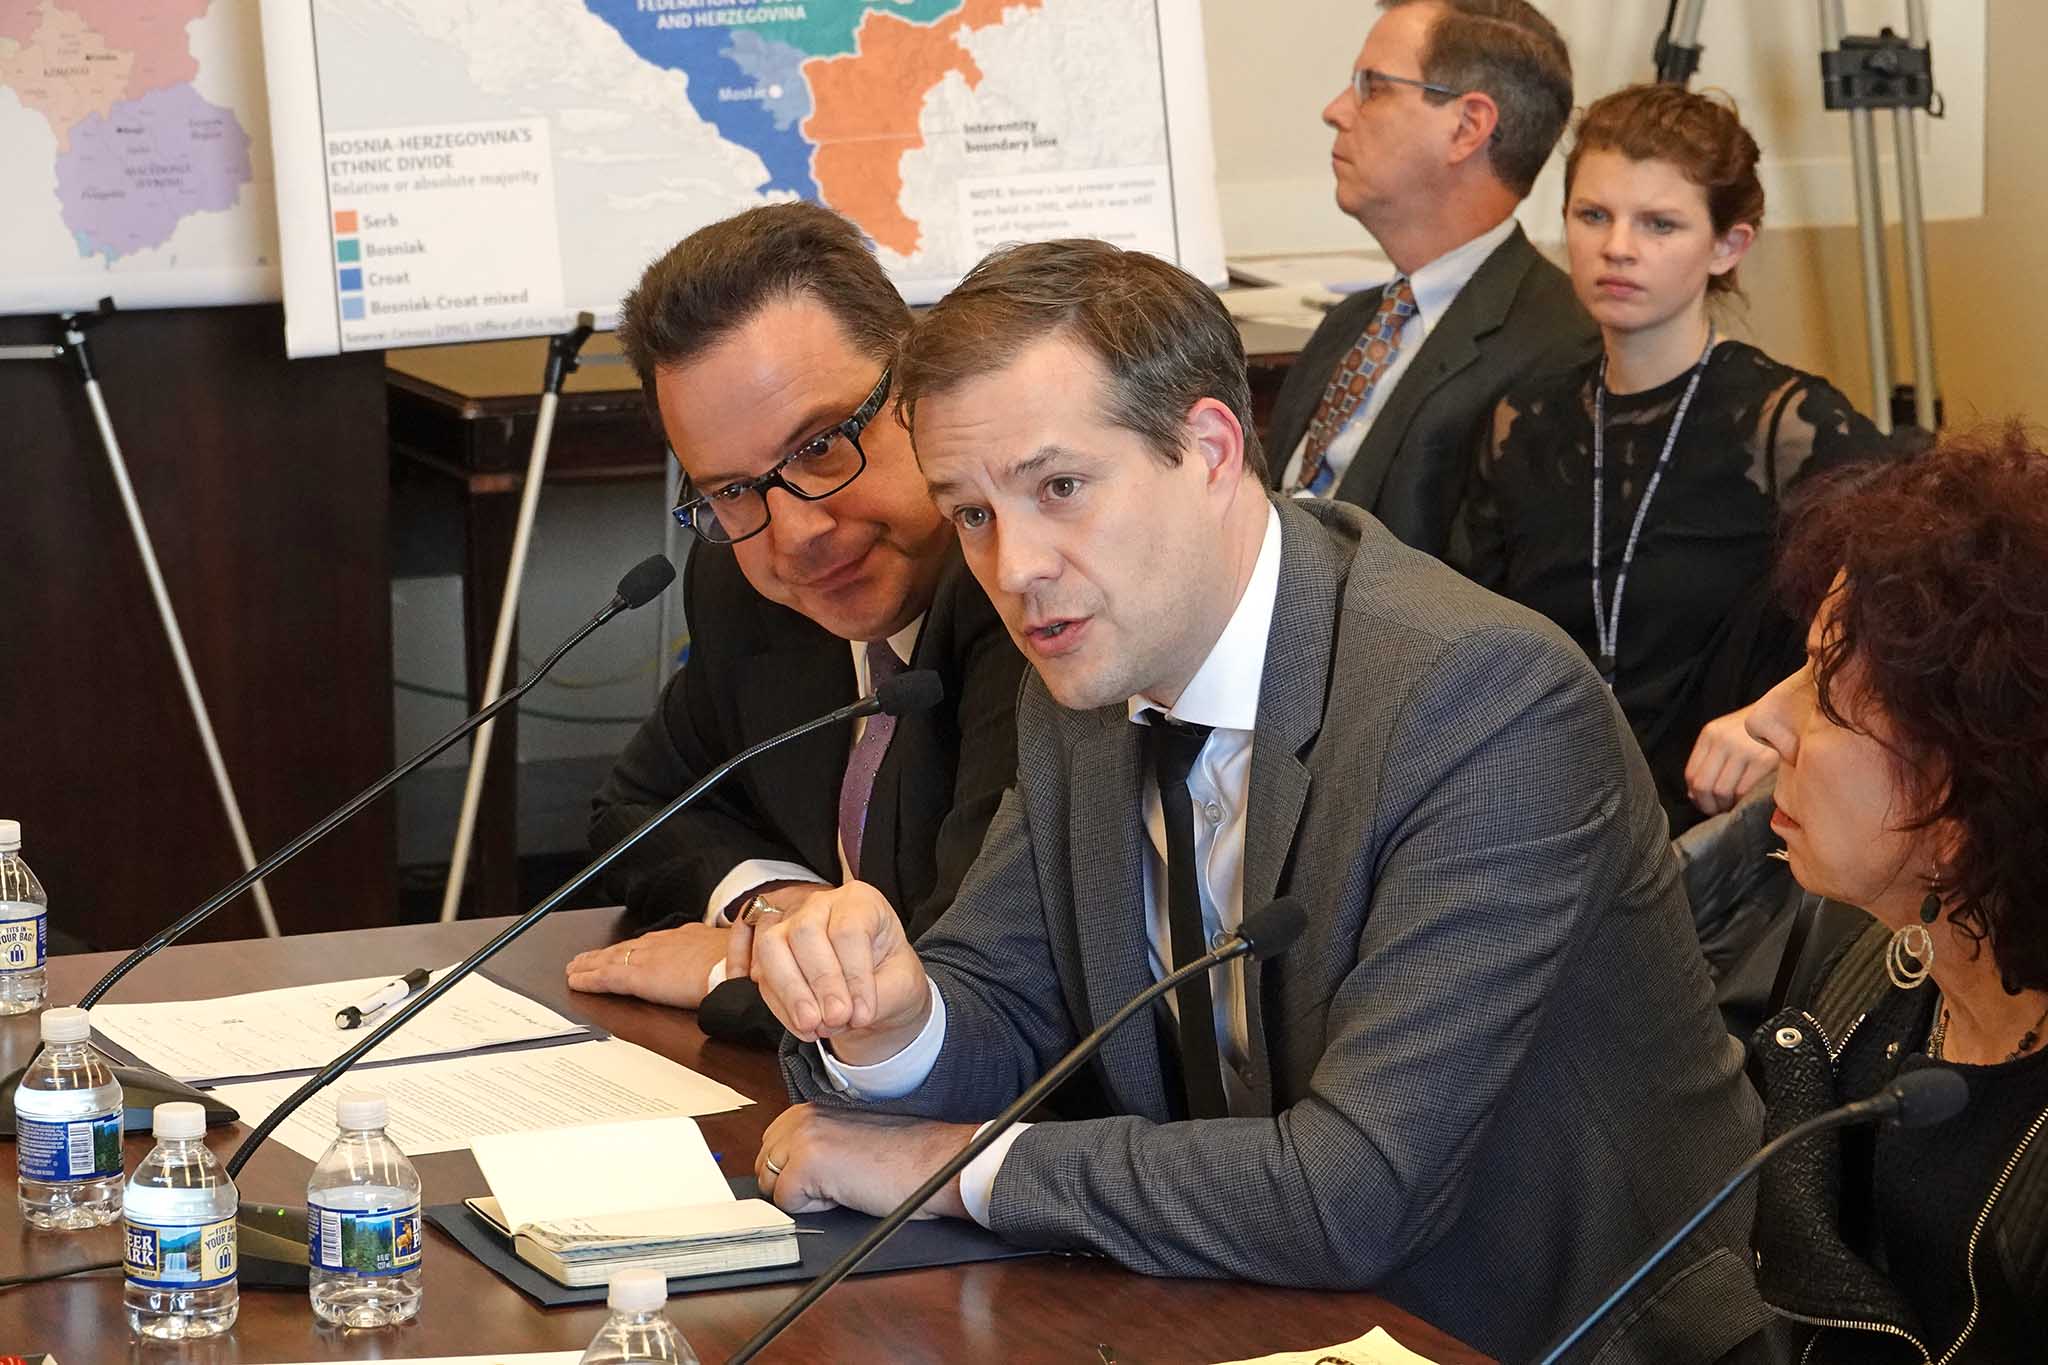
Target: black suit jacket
(1515,317)
(756,669)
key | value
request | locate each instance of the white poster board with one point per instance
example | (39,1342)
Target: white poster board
(458,172)
(134,155)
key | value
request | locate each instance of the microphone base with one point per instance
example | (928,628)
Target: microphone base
(142,1090)
(270,1247)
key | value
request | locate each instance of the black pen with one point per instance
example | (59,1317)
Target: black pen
(390,993)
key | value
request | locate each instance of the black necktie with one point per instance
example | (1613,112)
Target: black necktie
(1175,746)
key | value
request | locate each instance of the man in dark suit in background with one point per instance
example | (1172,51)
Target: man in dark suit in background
(763,343)
(1451,111)
(1487,1078)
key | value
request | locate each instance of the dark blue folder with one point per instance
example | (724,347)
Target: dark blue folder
(927,1242)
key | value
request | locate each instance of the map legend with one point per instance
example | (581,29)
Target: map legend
(348,249)
(443,233)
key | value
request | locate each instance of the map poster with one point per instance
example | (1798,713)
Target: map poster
(135,151)
(461,172)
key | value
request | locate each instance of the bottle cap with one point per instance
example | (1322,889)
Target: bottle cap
(360,1109)
(10,836)
(179,1119)
(638,1291)
(66,1024)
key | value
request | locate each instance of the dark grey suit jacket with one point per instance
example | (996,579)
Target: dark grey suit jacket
(757,669)
(1515,317)
(1490,1070)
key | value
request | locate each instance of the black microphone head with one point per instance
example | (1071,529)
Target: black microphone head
(918,690)
(645,581)
(1928,1095)
(1272,931)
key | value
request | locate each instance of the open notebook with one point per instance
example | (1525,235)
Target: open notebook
(582,1204)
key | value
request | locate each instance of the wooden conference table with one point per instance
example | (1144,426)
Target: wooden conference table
(1050,1308)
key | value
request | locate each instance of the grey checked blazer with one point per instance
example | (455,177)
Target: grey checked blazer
(1492,1073)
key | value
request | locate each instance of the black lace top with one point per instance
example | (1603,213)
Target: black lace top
(1700,634)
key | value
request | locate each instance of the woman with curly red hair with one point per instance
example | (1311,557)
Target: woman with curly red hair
(1634,499)
(1913,781)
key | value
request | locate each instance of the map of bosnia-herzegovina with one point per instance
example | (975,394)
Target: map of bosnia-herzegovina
(823,92)
(138,148)
(455,171)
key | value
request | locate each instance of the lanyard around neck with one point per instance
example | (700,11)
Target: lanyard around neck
(1607,625)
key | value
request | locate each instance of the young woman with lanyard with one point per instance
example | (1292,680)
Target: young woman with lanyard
(1635,499)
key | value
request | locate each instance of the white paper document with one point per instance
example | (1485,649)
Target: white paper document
(522,1358)
(445,1105)
(1374,1348)
(1284,305)
(620,1168)
(1338,272)
(269,1033)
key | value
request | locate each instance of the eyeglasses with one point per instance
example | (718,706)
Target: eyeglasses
(815,470)
(1365,82)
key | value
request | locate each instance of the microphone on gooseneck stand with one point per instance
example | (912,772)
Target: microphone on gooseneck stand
(1264,934)
(273,1236)
(1917,1099)
(143,1089)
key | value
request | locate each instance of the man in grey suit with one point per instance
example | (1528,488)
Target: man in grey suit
(1487,1078)
(1451,111)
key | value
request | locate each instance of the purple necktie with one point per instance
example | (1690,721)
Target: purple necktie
(866,761)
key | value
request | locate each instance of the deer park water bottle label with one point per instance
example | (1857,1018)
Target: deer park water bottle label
(383,1242)
(180,1255)
(24,936)
(86,1148)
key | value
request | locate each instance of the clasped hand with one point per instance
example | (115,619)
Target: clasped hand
(840,967)
(1726,763)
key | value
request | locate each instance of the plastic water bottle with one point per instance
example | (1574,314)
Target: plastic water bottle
(363,1222)
(180,1221)
(24,926)
(68,1117)
(638,1330)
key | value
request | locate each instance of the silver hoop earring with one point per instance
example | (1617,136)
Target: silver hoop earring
(1910,956)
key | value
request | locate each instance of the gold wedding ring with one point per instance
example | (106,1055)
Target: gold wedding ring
(629,957)
(770,1163)
(756,908)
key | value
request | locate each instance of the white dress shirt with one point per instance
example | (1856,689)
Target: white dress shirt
(1223,694)
(1437,286)
(760,871)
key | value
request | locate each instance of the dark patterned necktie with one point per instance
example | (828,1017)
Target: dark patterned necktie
(1175,747)
(1353,383)
(859,783)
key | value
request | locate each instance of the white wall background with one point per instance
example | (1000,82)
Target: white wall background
(1272,67)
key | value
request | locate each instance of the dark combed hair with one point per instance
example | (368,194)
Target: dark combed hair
(1701,135)
(719,277)
(1508,51)
(1164,337)
(1941,625)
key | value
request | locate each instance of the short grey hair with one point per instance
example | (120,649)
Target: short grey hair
(1508,51)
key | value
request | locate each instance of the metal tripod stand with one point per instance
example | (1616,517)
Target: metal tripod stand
(1863,74)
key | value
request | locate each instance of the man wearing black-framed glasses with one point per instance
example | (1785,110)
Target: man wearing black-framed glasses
(763,344)
(1451,110)
(823,464)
